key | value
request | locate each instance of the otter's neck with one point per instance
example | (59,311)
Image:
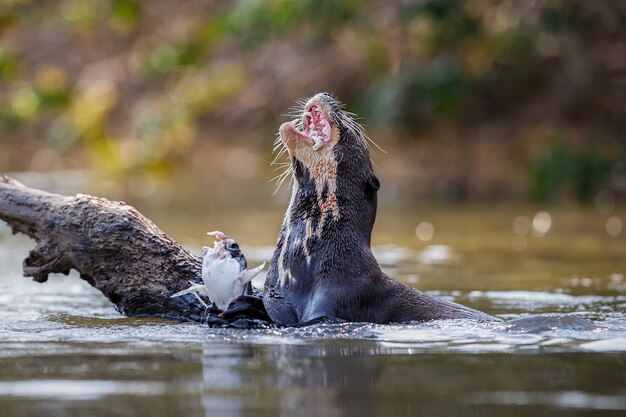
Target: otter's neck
(317,219)
(327,226)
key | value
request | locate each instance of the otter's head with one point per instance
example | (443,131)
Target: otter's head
(331,164)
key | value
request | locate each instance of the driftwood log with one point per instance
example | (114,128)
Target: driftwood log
(113,247)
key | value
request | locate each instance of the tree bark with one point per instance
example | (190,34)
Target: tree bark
(113,247)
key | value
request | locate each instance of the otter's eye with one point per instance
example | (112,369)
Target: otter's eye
(233,246)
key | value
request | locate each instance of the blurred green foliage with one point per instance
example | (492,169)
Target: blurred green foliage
(136,84)
(561,168)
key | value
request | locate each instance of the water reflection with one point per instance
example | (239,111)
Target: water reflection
(566,400)
(75,390)
(348,378)
(220,374)
(436,254)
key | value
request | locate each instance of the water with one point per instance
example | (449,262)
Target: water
(64,350)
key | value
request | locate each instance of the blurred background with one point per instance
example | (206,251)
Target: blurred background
(176,104)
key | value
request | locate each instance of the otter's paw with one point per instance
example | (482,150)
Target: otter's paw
(213,310)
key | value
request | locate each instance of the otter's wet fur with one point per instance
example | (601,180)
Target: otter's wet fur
(323,265)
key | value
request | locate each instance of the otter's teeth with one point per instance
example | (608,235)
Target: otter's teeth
(317,142)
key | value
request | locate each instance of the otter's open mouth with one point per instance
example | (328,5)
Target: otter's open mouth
(315,131)
(317,126)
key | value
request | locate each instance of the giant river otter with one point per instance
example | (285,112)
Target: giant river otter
(323,266)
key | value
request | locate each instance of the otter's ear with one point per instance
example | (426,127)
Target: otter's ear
(373,183)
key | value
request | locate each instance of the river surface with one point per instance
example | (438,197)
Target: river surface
(65,351)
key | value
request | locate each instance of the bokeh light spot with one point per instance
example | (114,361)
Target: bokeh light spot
(521,225)
(25,103)
(425,231)
(542,222)
(519,243)
(614,226)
